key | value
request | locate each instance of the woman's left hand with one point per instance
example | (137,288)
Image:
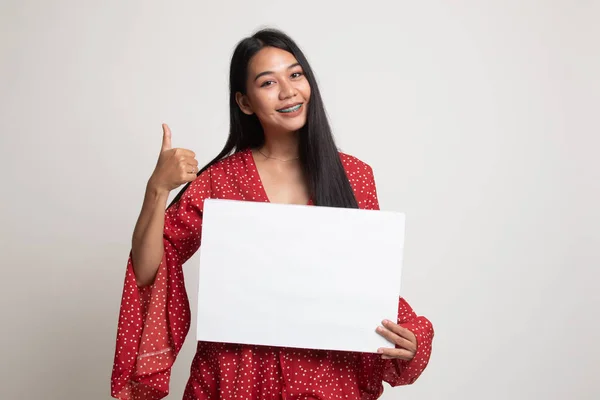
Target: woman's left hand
(404,340)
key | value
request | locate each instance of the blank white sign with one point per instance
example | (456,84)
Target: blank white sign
(298,276)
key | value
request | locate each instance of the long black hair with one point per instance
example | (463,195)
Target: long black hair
(327,180)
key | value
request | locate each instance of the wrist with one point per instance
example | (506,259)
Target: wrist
(156,191)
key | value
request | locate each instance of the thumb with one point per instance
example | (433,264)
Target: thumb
(166,142)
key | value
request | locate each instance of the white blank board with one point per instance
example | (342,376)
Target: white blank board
(298,276)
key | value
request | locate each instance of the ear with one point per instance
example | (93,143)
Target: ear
(243,103)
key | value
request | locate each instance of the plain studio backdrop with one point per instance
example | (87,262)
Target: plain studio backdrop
(480,120)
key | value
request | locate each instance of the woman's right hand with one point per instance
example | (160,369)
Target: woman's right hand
(174,168)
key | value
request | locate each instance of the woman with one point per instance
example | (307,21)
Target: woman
(280,149)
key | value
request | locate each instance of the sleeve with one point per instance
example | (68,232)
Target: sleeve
(400,372)
(154,320)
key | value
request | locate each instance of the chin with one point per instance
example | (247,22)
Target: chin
(293,126)
(288,127)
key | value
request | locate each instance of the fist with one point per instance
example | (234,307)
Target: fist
(175,167)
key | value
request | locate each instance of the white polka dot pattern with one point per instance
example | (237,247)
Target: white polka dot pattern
(154,320)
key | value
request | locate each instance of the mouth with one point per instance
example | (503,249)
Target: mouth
(290,109)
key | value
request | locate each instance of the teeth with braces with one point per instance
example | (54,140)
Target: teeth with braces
(291,109)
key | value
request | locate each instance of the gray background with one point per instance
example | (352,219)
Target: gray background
(479,119)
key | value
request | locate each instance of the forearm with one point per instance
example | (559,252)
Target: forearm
(147,241)
(401,372)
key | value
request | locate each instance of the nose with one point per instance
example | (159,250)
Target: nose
(287,90)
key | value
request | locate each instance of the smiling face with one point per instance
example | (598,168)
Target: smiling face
(276,91)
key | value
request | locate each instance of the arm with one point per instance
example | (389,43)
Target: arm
(154,320)
(398,372)
(173,168)
(154,317)
(147,245)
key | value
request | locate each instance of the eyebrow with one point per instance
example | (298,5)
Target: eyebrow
(271,72)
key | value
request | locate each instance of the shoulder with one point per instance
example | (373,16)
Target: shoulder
(234,161)
(229,167)
(356,168)
(226,172)
(360,175)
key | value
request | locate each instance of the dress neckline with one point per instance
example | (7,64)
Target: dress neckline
(256,175)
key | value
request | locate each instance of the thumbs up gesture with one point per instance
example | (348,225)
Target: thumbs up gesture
(174,167)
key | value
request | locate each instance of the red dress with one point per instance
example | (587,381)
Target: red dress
(154,320)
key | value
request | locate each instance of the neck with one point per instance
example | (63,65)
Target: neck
(282,146)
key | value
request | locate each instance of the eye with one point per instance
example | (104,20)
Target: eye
(297,74)
(266,83)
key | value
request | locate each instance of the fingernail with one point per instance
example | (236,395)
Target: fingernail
(379,329)
(380,351)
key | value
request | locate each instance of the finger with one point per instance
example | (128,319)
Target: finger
(191,169)
(396,339)
(191,161)
(388,354)
(182,154)
(166,142)
(399,330)
(187,176)
(190,177)
(189,165)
